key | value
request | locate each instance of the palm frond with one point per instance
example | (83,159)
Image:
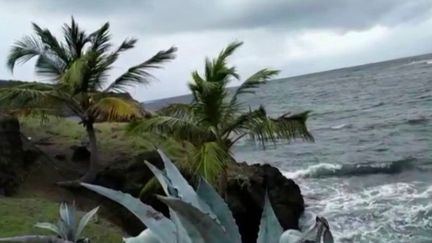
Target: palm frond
(178,128)
(24,50)
(50,66)
(209,161)
(51,44)
(100,39)
(182,111)
(253,82)
(225,53)
(139,74)
(26,95)
(263,129)
(75,39)
(115,109)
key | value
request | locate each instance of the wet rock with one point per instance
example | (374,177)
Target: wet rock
(247,185)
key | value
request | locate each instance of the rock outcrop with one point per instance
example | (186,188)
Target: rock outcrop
(247,185)
(13,158)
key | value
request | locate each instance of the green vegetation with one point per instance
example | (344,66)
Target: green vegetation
(19,215)
(63,133)
(206,129)
(202,216)
(78,68)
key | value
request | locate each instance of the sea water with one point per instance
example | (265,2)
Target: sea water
(369,171)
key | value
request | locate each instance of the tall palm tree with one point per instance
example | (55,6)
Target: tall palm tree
(208,127)
(78,67)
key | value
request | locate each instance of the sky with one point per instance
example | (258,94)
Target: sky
(294,36)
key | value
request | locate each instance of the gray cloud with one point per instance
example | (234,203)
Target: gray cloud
(292,15)
(296,36)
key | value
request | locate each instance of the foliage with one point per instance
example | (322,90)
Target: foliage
(202,215)
(78,68)
(67,229)
(207,128)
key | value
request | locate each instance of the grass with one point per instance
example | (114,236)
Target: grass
(18,216)
(66,132)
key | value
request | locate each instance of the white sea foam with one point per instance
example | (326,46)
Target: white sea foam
(389,211)
(340,126)
(312,170)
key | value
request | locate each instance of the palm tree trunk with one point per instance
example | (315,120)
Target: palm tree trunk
(91,173)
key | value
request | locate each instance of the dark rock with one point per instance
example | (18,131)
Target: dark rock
(80,154)
(13,158)
(61,157)
(130,175)
(246,189)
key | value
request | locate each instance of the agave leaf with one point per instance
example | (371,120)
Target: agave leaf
(328,237)
(200,227)
(185,191)
(270,229)
(160,176)
(51,227)
(208,194)
(182,235)
(84,221)
(291,236)
(146,236)
(67,216)
(35,239)
(161,226)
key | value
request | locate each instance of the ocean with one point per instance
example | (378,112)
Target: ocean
(369,171)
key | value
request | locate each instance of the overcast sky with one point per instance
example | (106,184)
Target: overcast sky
(295,36)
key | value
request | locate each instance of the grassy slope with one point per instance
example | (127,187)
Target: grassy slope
(19,215)
(64,133)
(38,197)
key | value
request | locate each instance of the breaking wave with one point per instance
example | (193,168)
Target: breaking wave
(338,170)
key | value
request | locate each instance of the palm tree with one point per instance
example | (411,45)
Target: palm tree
(78,68)
(208,127)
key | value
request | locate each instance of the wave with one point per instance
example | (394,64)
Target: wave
(337,127)
(338,170)
(388,211)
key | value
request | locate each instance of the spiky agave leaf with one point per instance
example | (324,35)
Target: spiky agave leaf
(200,227)
(270,229)
(181,187)
(84,221)
(161,226)
(68,219)
(218,206)
(51,227)
(146,236)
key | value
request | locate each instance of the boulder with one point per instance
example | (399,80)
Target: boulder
(129,175)
(246,188)
(14,159)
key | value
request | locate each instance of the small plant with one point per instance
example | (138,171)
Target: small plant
(67,229)
(202,216)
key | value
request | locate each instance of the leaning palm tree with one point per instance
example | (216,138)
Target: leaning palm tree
(78,68)
(208,127)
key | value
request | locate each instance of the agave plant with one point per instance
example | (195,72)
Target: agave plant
(202,216)
(67,229)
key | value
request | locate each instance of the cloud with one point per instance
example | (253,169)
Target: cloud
(296,36)
(289,15)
